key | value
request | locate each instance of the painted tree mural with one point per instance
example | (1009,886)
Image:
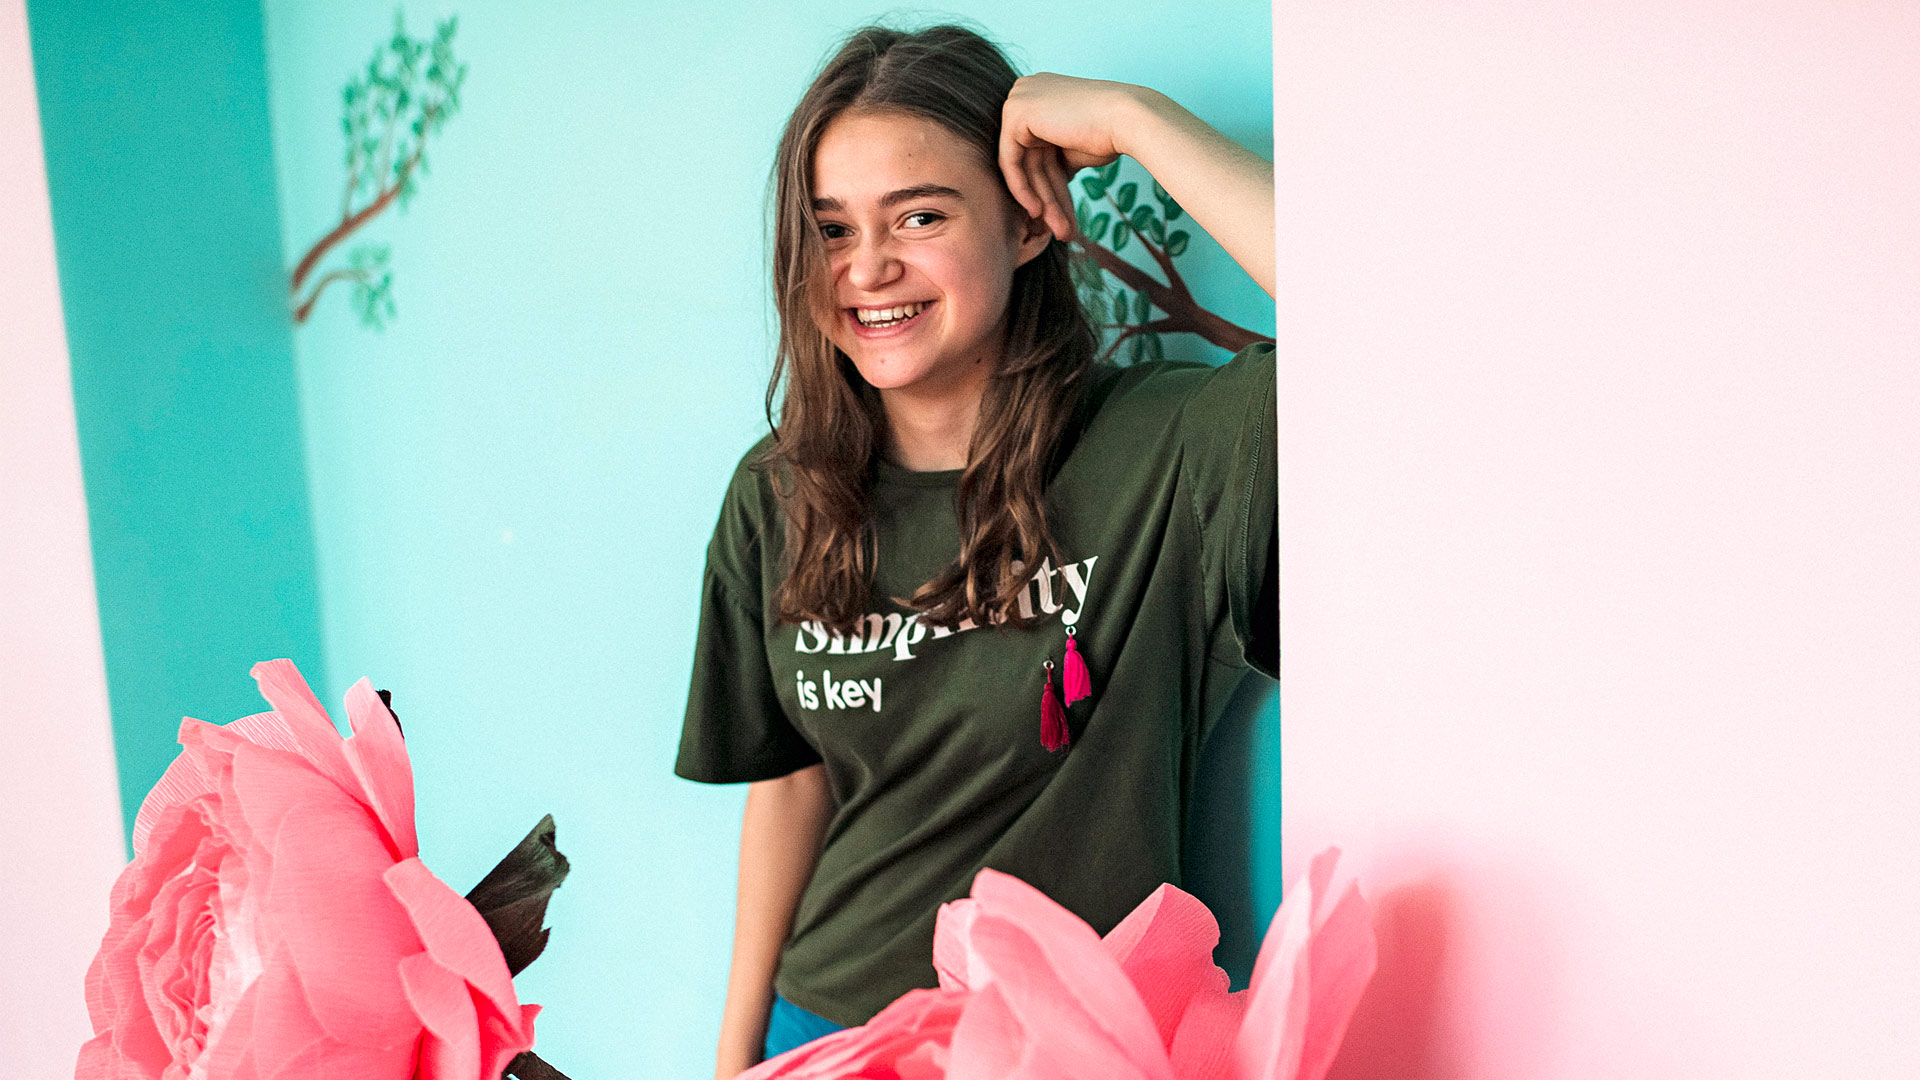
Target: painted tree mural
(388,112)
(1111,218)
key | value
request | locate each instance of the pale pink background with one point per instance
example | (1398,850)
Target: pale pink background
(1600,501)
(59,799)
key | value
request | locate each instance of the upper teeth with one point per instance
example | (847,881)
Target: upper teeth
(869,316)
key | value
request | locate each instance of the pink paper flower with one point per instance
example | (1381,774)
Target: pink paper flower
(276,919)
(1029,992)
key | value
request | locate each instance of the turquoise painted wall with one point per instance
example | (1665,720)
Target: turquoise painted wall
(514,484)
(160,171)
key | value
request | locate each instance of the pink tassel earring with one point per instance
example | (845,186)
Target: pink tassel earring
(1053,716)
(1074,681)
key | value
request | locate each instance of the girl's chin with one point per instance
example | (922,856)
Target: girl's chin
(882,374)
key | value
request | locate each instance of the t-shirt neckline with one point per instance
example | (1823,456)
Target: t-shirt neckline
(889,473)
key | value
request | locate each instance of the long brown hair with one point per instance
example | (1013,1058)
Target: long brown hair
(831,426)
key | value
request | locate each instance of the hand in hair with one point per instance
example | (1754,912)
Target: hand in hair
(1052,127)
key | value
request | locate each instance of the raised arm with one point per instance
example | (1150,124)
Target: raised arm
(1055,125)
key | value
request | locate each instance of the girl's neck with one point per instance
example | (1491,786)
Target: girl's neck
(930,431)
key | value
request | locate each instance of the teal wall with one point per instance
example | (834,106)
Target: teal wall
(160,172)
(514,484)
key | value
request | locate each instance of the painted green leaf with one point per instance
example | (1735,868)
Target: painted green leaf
(1156,230)
(1153,347)
(1080,214)
(1122,232)
(1099,226)
(1120,308)
(1138,348)
(1167,205)
(1177,242)
(1095,187)
(1140,307)
(1124,197)
(1141,216)
(1087,275)
(1110,170)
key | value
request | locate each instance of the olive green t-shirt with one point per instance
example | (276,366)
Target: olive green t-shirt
(1163,508)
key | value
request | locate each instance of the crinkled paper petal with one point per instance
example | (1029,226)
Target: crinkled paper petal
(902,1041)
(1165,945)
(1062,994)
(508,1038)
(1317,958)
(1055,964)
(378,756)
(456,936)
(191,774)
(989,1042)
(127,1038)
(444,1003)
(315,738)
(1202,1046)
(951,925)
(1343,957)
(324,897)
(275,1032)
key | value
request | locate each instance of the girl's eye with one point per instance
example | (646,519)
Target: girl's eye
(827,230)
(924,214)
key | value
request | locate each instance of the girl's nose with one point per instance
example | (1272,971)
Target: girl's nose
(871,265)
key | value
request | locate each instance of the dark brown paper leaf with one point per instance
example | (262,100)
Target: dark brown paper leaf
(513,896)
(530,1066)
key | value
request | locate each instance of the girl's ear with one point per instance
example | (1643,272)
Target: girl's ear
(1032,233)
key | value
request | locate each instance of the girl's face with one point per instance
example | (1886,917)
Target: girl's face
(922,240)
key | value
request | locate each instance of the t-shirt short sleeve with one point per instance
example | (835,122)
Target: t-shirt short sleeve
(1229,460)
(735,727)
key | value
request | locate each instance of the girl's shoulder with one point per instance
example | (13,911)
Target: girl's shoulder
(749,502)
(755,473)
(1154,393)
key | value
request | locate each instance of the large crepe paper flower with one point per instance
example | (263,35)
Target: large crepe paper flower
(276,920)
(1028,991)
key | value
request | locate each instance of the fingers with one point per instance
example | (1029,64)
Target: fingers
(1046,180)
(1047,196)
(1062,194)
(1041,185)
(1036,175)
(1013,165)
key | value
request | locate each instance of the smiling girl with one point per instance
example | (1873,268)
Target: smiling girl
(977,599)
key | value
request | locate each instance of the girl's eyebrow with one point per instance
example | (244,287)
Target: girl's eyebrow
(894,198)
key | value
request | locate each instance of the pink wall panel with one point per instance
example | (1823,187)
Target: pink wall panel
(1600,502)
(59,802)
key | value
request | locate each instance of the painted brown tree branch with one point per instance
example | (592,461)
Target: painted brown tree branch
(1183,313)
(348,225)
(393,94)
(346,274)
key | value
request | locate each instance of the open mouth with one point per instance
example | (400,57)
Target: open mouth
(868,321)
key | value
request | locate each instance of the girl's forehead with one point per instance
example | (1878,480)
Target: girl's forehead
(861,152)
(889,125)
